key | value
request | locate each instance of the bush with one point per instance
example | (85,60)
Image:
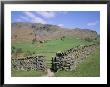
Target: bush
(62,38)
(41,41)
(13,49)
(33,52)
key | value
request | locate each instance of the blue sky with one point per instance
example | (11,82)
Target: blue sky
(67,19)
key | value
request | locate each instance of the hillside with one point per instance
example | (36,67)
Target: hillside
(46,40)
(23,32)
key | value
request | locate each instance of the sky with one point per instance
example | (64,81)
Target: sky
(66,19)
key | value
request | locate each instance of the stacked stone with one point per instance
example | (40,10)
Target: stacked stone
(29,63)
(41,65)
(69,59)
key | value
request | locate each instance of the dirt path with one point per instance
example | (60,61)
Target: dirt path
(49,73)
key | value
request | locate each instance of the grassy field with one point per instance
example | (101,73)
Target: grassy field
(89,67)
(49,48)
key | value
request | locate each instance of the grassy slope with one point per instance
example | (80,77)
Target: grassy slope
(51,47)
(90,67)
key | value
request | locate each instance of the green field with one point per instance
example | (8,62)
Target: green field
(49,48)
(89,67)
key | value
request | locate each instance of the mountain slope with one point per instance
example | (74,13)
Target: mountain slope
(40,32)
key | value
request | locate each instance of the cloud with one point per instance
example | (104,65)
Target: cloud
(46,14)
(24,18)
(92,23)
(50,14)
(19,20)
(61,25)
(38,20)
(32,17)
(38,16)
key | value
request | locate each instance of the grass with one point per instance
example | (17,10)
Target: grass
(89,67)
(21,73)
(51,47)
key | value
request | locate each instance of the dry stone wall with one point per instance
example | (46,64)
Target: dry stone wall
(69,59)
(29,63)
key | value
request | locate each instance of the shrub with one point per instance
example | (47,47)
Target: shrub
(13,49)
(33,52)
(41,41)
(62,38)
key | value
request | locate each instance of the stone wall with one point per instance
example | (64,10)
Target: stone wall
(69,59)
(29,63)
